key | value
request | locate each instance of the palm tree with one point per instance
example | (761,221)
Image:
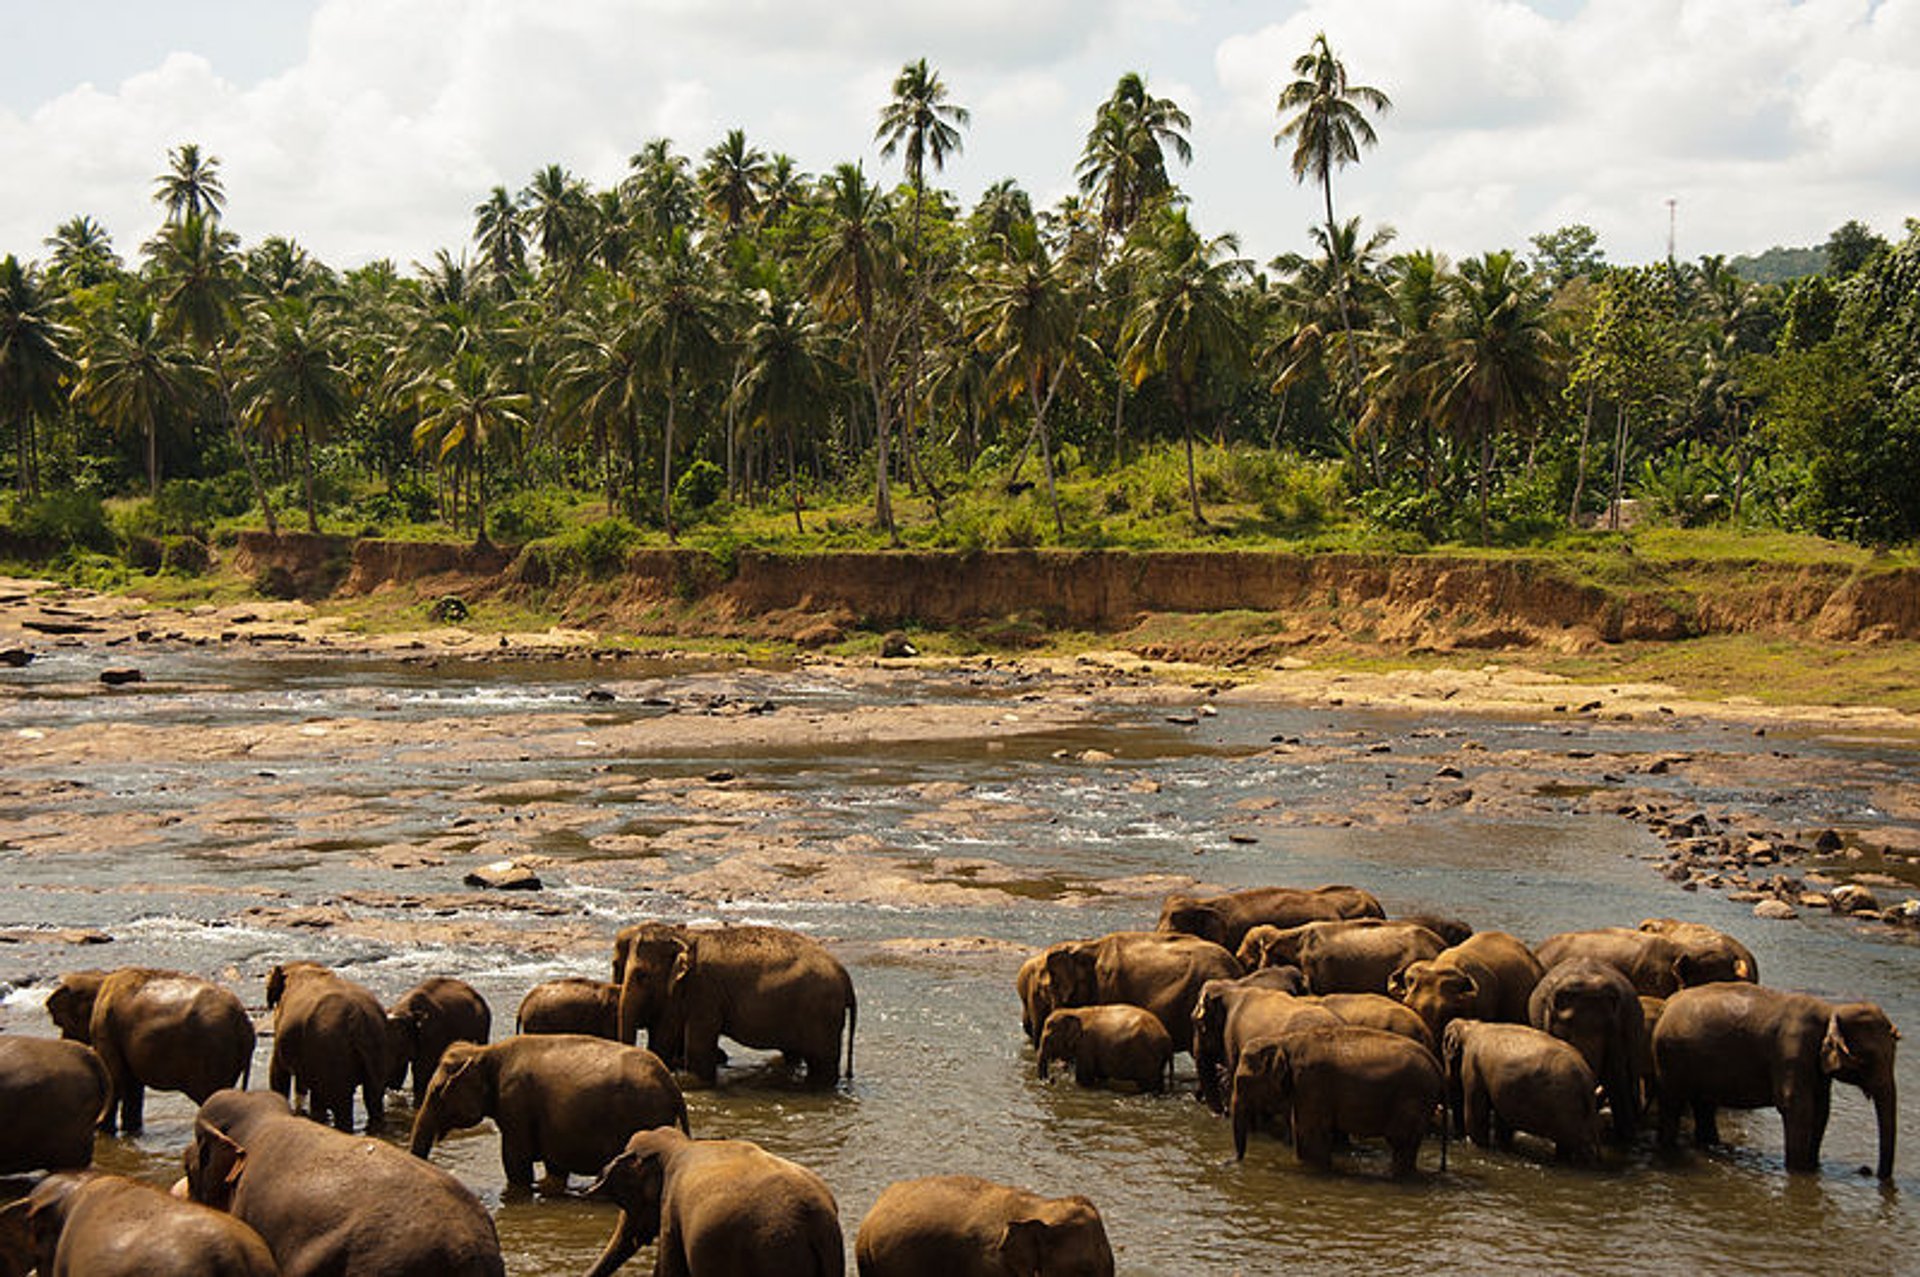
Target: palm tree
(33,363)
(920,125)
(782,189)
(137,380)
(557,215)
(1123,163)
(788,370)
(1409,369)
(599,379)
(852,266)
(292,379)
(501,239)
(191,185)
(1501,360)
(277,267)
(681,326)
(195,262)
(1328,129)
(730,182)
(465,409)
(82,255)
(663,193)
(1184,321)
(1028,314)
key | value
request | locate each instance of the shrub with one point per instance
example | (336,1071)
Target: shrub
(698,487)
(67,520)
(525,515)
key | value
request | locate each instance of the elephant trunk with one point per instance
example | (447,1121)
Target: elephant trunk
(630,1016)
(1886,1111)
(622,1246)
(426,1127)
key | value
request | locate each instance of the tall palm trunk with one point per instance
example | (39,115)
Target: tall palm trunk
(1346,322)
(246,445)
(666,450)
(153,459)
(1619,465)
(306,476)
(1183,400)
(1046,447)
(1580,468)
(793,479)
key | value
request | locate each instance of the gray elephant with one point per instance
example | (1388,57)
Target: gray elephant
(425,1020)
(962,1226)
(1118,1043)
(329,1037)
(1503,1078)
(720,1208)
(335,1205)
(54,1094)
(763,987)
(1592,1007)
(1489,976)
(1658,965)
(161,1029)
(1341,1081)
(1742,1046)
(563,1099)
(1377,1011)
(1027,984)
(1226,919)
(1161,971)
(571,1004)
(1230,1013)
(90,1224)
(1711,954)
(1358,955)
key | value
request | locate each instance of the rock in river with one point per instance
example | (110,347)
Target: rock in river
(504,875)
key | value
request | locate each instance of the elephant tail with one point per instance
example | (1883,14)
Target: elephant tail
(853,1020)
(1446,1129)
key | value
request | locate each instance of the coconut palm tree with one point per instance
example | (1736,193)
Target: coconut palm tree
(661,190)
(731,180)
(1185,320)
(557,215)
(501,238)
(681,324)
(34,360)
(788,368)
(1123,163)
(137,380)
(191,185)
(1328,129)
(82,254)
(465,411)
(599,379)
(292,380)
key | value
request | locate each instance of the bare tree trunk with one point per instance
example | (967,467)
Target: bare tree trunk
(1619,465)
(1580,469)
(246,445)
(306,474)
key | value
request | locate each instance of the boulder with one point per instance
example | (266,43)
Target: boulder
(504,875)
(1851,897)
(122,677)
(1778,910)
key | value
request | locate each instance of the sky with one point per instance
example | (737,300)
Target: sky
(371,128)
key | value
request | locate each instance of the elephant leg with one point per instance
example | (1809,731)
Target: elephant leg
(133,1105)
(1669,1117)
(1085,1074)
(1476,1123)
(279,1076)
(517,1157)
(703,1051)
(1313,1141)
(1406,1155)
(1706,1130)
(374,1094)
(1502,1131)
(1804,1111)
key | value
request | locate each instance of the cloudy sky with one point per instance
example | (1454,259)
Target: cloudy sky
(367,128)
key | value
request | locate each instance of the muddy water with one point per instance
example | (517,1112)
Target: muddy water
(944,1082)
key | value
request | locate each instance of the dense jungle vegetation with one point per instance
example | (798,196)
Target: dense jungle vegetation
(735,351)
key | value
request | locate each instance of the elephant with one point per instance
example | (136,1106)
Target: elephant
(763,987)
(54,1093)
(1592,1007)
(1659,965)
(1109,1043)
(1226,919)
(1161,971)
(1738,1045)
(572,1004)
(90,1224)
(721,1208)
(161,1029)
(566,1100)
(1357,955)
(329,1036)
(1488,976)
(1286,979)
(1651,1009)
(330,1204)
(1230,1013)
(1503,1078)
(1340,1080)
(1027,984)
(1712,955)
(1451,930)
(1376,1011)
(425,1021)
(961,1226)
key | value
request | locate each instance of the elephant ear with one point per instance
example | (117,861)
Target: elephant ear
(1401,981)
(215,1164)
(684,963)
(276,986)
(1836,1055)
(1023,1245)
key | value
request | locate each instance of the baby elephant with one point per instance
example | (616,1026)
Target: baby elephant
(561,1099)
(960,1226)
(1113,1042)
(721,1208)
(572,1004)
(1503,1078)
(427,1019)
(95,1225)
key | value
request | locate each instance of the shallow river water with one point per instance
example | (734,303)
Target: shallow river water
(944,1081)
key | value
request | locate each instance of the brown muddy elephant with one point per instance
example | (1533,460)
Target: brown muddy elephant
(1377,1011)
(1358,955)
(571,1004)
(1341,1081)
(1228,1014)
(1161,971)
(424,1021)
(1742,1046)
(1593,1008)
(720,1208)
(329,1037)
(764,987)
(565,1100)
(1033,1009)
(53,1093)
(335,1205)
(1226,919)
(1117,1043)
(1488,976)
(90,1224)
(1658,964)
(1503,1078)
(963,1226)
(161,1029)
(1711,955)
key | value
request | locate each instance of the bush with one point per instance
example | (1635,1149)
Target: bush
(65,520)
(526,515)
(699,486)
(406,501)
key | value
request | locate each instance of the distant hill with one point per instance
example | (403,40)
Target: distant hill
(1778,265)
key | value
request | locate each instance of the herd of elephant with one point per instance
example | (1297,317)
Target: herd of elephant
(1306,1011)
